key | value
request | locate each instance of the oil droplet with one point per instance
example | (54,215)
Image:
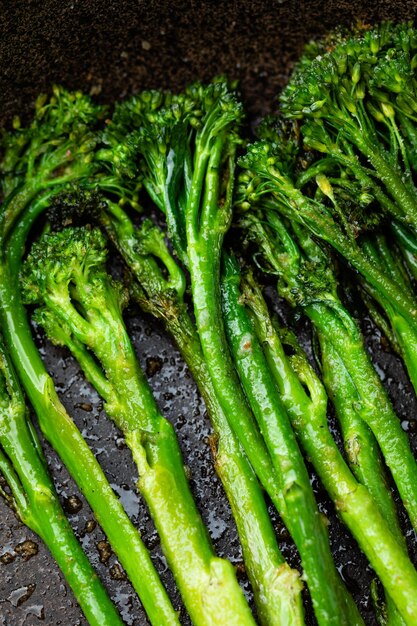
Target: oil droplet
(20,595)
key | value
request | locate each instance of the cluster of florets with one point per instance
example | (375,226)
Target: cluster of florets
(64,124)
(372,66)
(58,258)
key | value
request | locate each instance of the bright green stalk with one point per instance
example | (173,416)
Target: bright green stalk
(34,499)
(300,512)
(375,247)
(59,429)
(66,268)
(249,323)
(361,447)
(267,174)
(204,253)
(360,444)
(335,324)
(407,243)
(54,151)
(405,335)
(276,586)
(187,162)
(307,280)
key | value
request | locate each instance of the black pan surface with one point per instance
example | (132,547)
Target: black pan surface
(111,49)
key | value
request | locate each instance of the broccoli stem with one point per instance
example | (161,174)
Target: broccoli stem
(277,588)
(207,583)
(318,288)
(361,447)
(335,324)
(206,222)
(360,444)
(405,335)
(37,504)
(308,213)
(307,411)
(61,432)
(205,278)
(299,509)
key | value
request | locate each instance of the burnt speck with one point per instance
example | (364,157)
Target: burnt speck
(412,426)
(385,344)
(153,365)
(152,540)
(85,406)
(117,572)
(7,558)
(27,549)
(104,550)
(90,526)
(73,504)
(180,421)
(282,532)
(240,570)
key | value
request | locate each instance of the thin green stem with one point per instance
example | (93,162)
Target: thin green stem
(335,324)
(66,439)
(360,444)
(207,583)
(37,503)
(331,602)
(305,400)
(276,586)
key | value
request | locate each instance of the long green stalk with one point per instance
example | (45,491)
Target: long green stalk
(307,411)
(361,447)
(362,450)
(300,511)
(59,429)
(205,277)
(38,163)
(75,261)
(276,586)
(188,166)
(333,323)
(37,505)
(308,280)
(404,334)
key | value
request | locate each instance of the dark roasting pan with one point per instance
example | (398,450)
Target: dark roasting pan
(112,48)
